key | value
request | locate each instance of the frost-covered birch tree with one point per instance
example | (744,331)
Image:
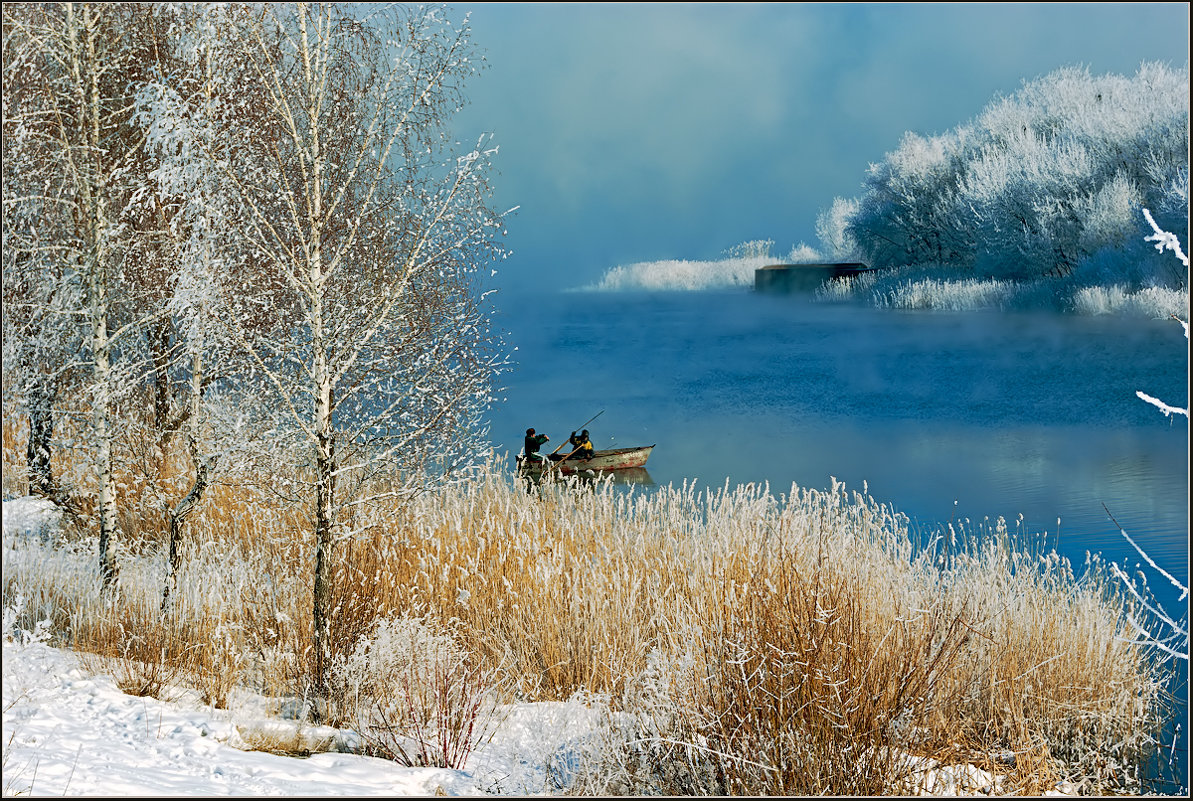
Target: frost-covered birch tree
(77,162)
(196,397)
(40,338)
(358,306)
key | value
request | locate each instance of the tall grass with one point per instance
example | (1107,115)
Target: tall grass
(920,288)
(962,295)
(682,275)
(1150,302)
(742,641)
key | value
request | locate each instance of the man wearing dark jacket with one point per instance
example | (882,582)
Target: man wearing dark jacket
(532,444)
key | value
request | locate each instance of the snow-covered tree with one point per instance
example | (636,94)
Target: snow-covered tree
(196,397)
(77,66)
(358,303)
(41,341)
(908,213)
(1046,182)
(836,240)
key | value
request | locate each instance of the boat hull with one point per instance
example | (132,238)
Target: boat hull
(601,461)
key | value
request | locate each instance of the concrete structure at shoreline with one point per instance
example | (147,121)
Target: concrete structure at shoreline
(787,278)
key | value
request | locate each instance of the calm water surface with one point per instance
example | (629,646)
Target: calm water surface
(944,416)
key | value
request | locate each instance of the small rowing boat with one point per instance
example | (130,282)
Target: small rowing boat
(601,461)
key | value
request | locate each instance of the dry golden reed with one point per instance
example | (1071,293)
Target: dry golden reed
(744,642)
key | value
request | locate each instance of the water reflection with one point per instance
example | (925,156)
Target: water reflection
(628,475)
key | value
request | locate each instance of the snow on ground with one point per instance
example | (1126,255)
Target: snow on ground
(69,732)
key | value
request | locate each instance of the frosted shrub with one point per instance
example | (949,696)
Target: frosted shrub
(930,293)
(1151,302)
(818,647)
(845,288)
(55,579)
(414,695)
(753,249)
(1046,634)
(802,253)
(13,632)
(681,274)
(219,664)
(652,739)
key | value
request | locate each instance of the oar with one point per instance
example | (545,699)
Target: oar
(552,465)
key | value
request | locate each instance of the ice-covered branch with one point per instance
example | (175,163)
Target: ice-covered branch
(1184,590)
(1167,410)
(1165,240)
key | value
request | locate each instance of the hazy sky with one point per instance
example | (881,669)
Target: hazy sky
(639,132)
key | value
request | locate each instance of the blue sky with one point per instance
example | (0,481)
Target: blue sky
(641,132)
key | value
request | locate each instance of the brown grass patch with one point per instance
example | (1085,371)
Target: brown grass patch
(744,643)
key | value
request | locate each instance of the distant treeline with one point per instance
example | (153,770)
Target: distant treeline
(1048,181)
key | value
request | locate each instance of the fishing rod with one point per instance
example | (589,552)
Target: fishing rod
(589,420)
(577,428)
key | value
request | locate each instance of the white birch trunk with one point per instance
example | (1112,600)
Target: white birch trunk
(85,64)
(325,466)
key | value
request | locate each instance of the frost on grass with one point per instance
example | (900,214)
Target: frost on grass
(415,696)
(682,623)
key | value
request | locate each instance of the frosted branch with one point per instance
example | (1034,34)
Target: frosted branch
(1150,638)
(1184,590)
(1164,240)
(1161,405)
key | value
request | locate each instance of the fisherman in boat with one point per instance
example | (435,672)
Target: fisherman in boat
(581,445)
(532,444)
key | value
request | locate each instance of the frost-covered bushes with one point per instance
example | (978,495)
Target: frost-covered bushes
(848,287)
(52,574)
(741,642)
(230,623)
(1046,182)
(57,582)
(415,696)
(828,648)
(1047,631)
(909,288)
(681,274)
(1152,302)
(932,293)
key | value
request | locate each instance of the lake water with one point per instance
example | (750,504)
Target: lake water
(963,416)
(943,415)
